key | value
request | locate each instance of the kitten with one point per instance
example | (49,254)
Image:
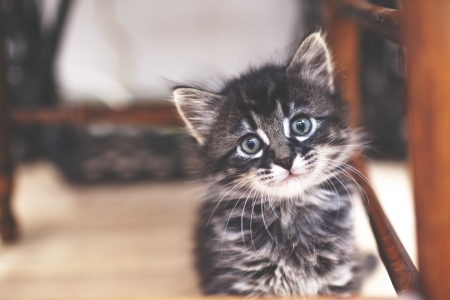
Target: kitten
(277,215)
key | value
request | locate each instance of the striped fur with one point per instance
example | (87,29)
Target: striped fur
(277,221)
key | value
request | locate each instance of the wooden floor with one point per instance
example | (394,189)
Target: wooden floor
(134,240)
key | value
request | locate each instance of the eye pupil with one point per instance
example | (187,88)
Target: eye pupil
(301,126)
(251,145)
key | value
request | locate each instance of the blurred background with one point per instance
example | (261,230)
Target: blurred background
(107,210)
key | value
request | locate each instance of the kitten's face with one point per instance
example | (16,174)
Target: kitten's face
(277,131)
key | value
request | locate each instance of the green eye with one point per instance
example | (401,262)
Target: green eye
(301,126)
(251,145)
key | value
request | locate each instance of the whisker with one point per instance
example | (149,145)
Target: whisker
(242,216)
(251,219)
(330,183)
(361,190)
(264,221)
(226,225)
(209,219)
(343,164)
(348,192)
(269,196)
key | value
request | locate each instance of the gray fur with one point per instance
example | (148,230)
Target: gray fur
(277,221)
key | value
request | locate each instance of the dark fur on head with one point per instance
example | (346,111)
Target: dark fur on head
(274,142)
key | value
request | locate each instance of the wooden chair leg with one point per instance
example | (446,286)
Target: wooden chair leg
(8,224)
(427,38)
(344,39)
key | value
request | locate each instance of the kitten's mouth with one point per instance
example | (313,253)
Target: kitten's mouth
(290,176)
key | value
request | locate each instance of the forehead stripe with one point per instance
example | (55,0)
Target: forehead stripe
(263,136)
(286,127)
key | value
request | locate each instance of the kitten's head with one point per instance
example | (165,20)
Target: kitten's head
(279,130)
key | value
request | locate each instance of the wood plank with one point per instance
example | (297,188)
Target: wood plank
(344,41)
(383,21)
(157,114)
(427,38)
(86,242)
(8,225)
(344,38)
(402,271)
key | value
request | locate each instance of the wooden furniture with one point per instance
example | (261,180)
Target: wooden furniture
(425,32)
(423,27)
(344,41)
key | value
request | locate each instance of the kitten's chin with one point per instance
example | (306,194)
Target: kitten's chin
(290,178)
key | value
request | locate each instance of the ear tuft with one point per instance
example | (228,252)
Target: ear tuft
(313,60)
(197,108)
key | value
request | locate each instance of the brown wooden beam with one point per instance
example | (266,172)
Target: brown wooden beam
(8,225)
(344,38)
(382,21)
(159,115)
(344,42)
(427,38)
(402,271)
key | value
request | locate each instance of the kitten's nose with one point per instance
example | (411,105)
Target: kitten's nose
(285,162)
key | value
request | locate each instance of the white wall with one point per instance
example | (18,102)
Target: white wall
(124,49)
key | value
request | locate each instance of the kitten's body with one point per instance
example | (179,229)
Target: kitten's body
(276,219)
(278,249)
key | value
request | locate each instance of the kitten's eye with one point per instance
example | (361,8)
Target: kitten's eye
(301,126)
(251,144)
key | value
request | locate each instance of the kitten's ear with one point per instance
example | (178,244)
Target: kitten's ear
(198,109)
(313,59)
